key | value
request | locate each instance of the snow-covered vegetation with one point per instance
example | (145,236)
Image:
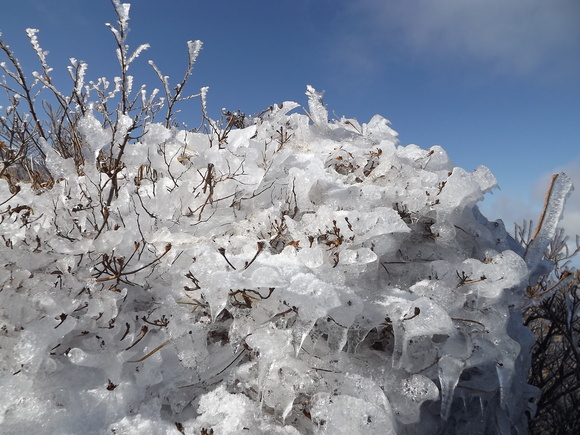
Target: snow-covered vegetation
(280,273)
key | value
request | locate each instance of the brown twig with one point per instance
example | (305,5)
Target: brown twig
(544,210)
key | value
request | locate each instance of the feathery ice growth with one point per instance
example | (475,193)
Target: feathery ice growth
(292,275)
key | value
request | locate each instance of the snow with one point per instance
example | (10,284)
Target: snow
(322,280)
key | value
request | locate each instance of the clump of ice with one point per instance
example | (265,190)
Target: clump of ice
(305,276)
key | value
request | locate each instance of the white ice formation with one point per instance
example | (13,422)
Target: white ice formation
(302,276)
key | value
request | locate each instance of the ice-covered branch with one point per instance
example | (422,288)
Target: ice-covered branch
(560,188)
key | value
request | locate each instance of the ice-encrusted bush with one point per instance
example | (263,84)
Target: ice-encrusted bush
(309,279)
(295,275)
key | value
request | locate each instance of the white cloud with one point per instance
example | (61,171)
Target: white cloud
(507,36)
(508,207)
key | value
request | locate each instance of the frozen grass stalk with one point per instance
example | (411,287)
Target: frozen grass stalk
(560,188)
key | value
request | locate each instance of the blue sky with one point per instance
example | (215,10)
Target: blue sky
(495,82)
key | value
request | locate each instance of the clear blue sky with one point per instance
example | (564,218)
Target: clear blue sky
(494,82)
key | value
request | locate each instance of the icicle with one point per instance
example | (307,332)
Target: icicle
(449,371)
(300,331)
(355,336)
(546,230)
(337,335)
(505,371)
(503,424)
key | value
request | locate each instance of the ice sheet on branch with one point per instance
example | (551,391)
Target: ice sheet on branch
(305,276)
(560,188)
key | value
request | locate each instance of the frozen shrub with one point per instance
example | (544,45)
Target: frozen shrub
(279,274)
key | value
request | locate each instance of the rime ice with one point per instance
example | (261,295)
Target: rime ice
(304,276)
